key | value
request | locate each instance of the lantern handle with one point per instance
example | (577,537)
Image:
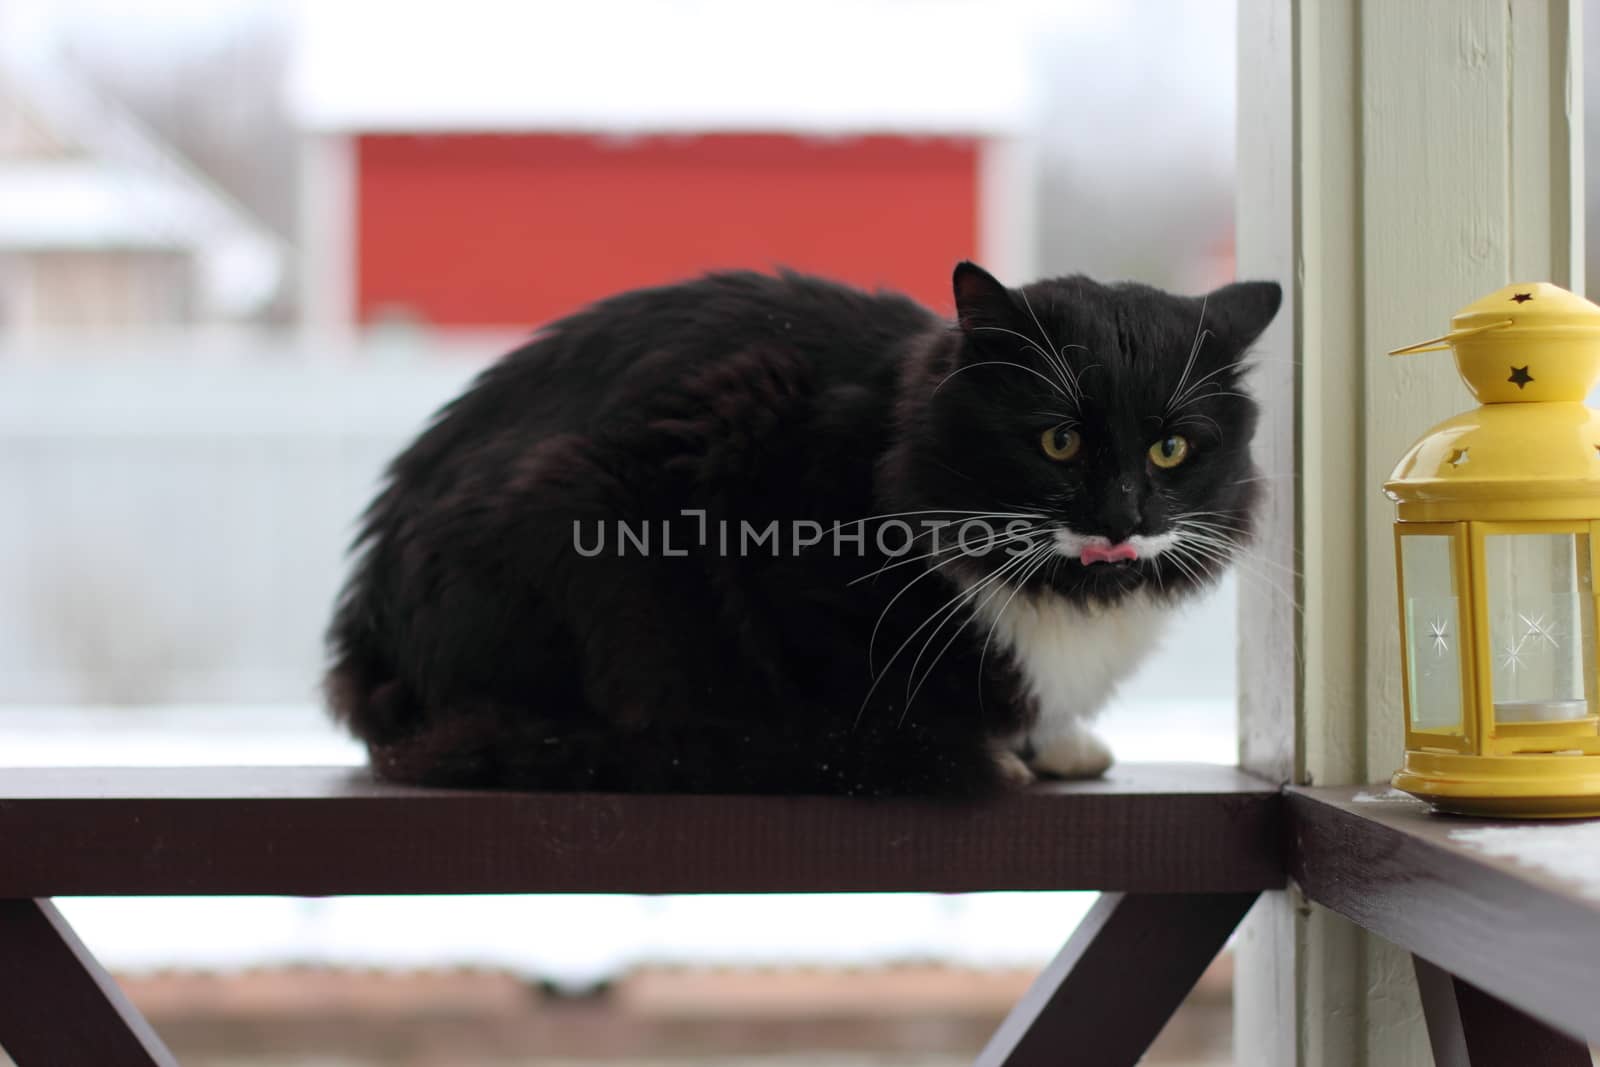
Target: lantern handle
(1436,343)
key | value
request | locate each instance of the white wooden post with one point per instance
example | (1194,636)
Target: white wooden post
(327,263)
(1396,161)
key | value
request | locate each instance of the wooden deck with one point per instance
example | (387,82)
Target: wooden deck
(1513,929)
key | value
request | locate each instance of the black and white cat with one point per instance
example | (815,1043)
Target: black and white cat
(756,533)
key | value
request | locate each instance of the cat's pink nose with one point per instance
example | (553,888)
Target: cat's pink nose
(1108,553)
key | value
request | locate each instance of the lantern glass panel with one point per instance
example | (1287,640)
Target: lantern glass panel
(1433,631)
(1541,625)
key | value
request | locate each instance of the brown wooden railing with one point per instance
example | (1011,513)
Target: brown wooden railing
(1180,852)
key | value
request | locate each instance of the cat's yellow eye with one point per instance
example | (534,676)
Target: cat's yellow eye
(1169,451)
(1061,442)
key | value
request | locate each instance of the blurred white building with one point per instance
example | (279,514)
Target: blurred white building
(102,226)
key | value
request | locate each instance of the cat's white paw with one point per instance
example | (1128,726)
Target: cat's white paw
(1073,754)
(1014,773)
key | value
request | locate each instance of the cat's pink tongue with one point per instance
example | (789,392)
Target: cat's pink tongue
(1107,553)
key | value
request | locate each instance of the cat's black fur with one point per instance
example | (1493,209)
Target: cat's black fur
(475,645)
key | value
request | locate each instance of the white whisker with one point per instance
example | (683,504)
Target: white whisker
(938,614)
(994,583)
(1195,416)
(941,511)
(995,540)
(1194,352)
(872,640)
(1003,363)
(1044,339)
(1189,395)
(1057,363)
(989,637)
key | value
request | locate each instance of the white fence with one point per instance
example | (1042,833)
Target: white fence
(173,528)
(174,531)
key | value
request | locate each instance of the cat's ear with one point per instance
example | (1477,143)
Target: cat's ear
(980,298)
(1241,312)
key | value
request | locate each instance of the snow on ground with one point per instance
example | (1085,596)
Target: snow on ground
(1387,796)
(1570,852)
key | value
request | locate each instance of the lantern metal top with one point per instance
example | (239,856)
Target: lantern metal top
(1530,354)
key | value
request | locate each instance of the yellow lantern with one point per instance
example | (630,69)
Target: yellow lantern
(1497,539)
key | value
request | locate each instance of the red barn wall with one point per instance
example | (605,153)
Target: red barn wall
(496,230)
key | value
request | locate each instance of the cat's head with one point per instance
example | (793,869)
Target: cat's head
(1111,422)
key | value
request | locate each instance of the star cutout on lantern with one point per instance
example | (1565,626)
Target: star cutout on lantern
(1540,630)
(1522,298)
(1520,377)
(1439,632)
(1511,655)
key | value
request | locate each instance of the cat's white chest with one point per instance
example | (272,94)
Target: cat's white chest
(1073,658)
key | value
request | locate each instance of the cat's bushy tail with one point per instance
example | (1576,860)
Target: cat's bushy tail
(473,745)
(488,745)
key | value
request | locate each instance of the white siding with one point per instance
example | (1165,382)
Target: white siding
(1398,160)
